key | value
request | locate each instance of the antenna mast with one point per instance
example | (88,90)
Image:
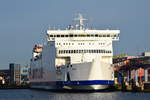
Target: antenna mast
(80,19)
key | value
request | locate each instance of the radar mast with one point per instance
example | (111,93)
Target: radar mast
(80,19)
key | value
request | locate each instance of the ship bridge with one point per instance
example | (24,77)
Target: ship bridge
(83,34)
(80,32)
(78,44)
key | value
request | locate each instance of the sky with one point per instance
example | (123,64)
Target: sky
(23,24)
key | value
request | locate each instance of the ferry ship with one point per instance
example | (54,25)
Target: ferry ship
(76,58)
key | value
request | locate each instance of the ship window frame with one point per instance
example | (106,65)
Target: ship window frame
(69,51)
(104,35)
(100,35)
(92,35)
(96,35)
(66,51)
(99,51)
(108,35)
(77,51)
(72,51)
(66,35)
(104,51)
(96,51)
(88,35)
(75,35)
(70,35)
(62,51)
(58,35)
(87,51)
(80,51)
(90,51)
(50,35)
(59,51)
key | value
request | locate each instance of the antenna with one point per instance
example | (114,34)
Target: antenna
(80,19)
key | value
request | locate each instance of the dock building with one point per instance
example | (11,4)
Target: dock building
(133,71)
(19,74)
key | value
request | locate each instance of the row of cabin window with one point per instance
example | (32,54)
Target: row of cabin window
(78,44)
(83,51)
(88,35)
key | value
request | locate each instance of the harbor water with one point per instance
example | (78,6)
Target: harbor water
(27,94)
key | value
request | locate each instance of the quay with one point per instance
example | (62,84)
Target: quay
(14,87)
(132,73)
(16,77)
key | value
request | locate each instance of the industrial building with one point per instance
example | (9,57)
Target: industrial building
(19,75)
(15,77)
(133,71)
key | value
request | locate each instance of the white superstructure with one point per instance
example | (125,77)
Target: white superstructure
(75,58)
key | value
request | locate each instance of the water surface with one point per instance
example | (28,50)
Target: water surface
(27,94)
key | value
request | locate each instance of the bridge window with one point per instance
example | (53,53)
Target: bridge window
(96,35)
(100,35)
(84,35)
(75,35)
(58,35)
(104,35)
(66,35)
(92,35)
(88,35)
(51,35)
(108,35)
(62,35)
(71,35)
